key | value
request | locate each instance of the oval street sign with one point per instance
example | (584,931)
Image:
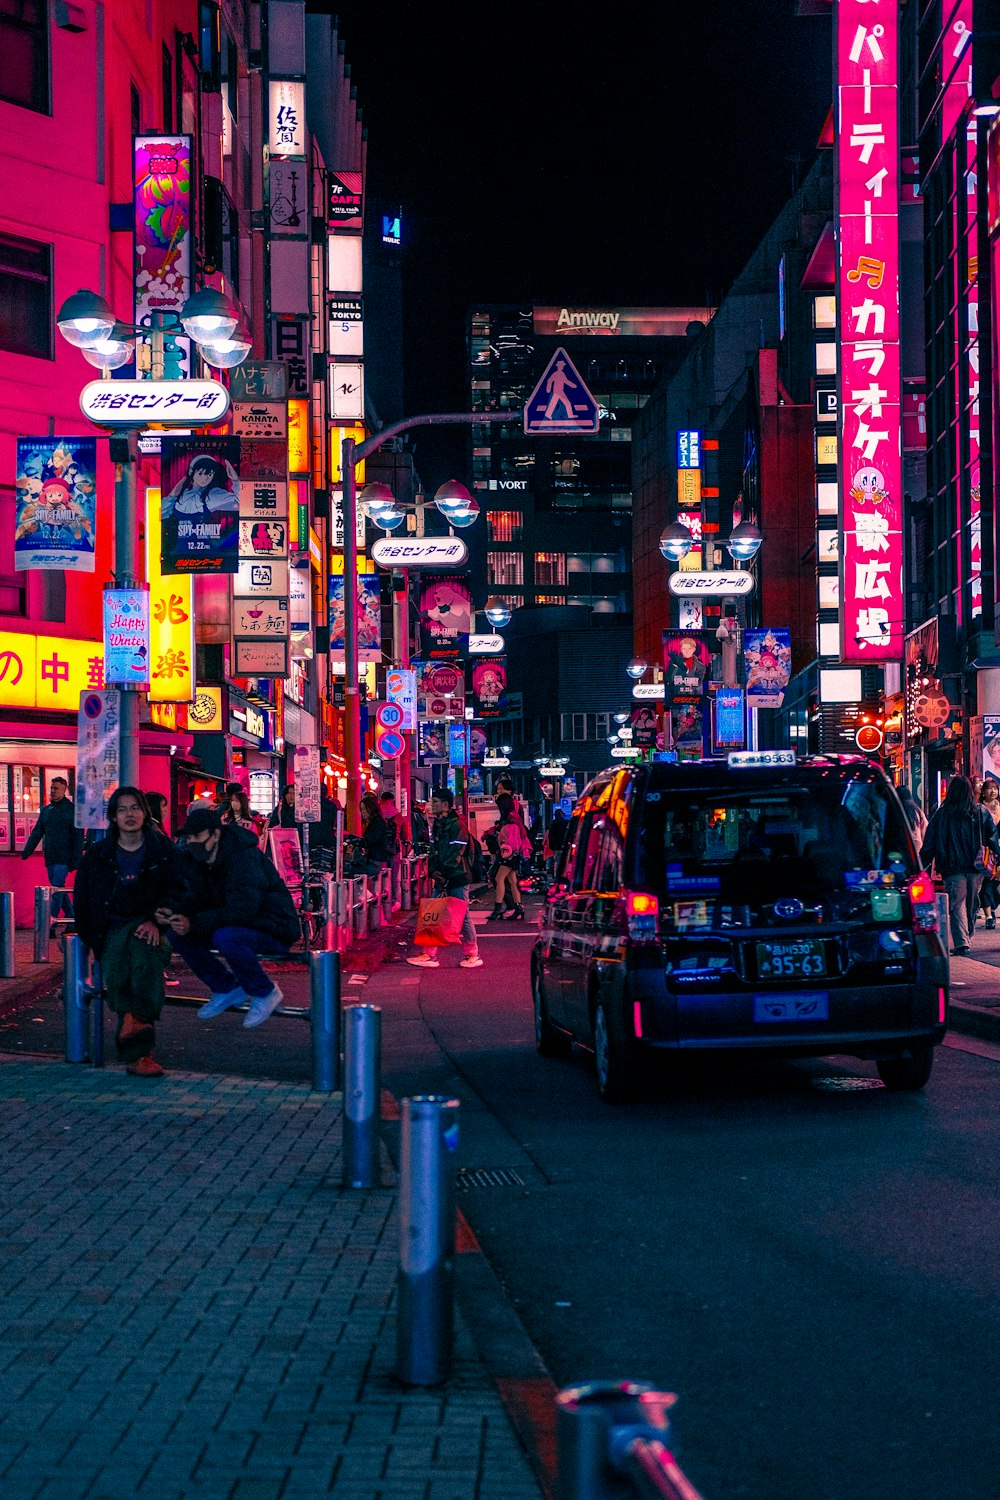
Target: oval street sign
(419,552)
(653,690)
(140,403)
(486,645)
(705,585)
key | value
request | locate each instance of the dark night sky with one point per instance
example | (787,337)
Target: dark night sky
(548,153)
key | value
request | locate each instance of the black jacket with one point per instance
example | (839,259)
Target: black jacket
(240,888)
(100,899)
(953,840)
(448,845)
(376,839)
(62,843)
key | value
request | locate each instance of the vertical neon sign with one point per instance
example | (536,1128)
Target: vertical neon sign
(871,469)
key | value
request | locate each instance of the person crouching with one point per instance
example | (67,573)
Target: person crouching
(238,905)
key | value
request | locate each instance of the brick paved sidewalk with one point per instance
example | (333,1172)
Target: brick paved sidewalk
(194,1309)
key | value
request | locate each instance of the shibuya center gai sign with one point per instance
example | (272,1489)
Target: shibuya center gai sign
(174,403)
(702,585)
(869,382)
(419,552)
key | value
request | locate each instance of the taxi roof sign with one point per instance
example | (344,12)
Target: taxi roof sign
(761,758)
(560,401)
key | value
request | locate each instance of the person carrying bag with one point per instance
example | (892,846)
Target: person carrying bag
(960,840)
(446,919)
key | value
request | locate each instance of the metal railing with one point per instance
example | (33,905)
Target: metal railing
(612,1441)
(45,921)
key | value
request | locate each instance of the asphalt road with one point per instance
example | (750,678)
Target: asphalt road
(808,1260)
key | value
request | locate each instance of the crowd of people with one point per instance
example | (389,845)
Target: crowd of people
(961,842)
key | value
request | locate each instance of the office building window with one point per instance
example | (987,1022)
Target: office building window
(504,569)
(13,590)
(167,73)
(550,568)
(505,525)
(550,598)
(25,297)
(24,46)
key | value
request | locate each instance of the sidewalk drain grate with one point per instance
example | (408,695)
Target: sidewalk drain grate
(846,1085)
(485,1177)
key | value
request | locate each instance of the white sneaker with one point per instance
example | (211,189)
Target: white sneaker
(216,1004)
(424,961)
(262,1006)
(472,962)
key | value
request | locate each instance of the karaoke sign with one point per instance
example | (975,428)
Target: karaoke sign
(871,472)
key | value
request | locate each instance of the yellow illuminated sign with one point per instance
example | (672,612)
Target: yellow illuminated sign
(337,435)
(47,671)
(171,620)
(688,487)
(298,437)
(205,714)
(826,448)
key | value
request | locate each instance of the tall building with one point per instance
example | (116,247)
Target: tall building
(558,536)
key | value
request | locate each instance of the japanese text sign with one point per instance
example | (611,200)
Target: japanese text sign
(45,671)
(97,756)
(126,637)
(868,187)
(171,620)
(55,504)
(173,403)
(688,449)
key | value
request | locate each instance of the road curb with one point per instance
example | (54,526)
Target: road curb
(974,1020)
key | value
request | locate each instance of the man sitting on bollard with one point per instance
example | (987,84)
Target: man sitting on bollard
(237,904)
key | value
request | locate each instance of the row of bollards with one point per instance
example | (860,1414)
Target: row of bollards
(7,961)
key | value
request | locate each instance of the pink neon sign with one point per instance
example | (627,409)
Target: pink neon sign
(868,195)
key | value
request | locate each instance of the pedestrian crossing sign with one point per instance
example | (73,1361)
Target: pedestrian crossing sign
(560,401)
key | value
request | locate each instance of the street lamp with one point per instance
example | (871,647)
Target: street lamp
(623,718)
(497,611)
(637,667)
(113,350)
(744,544)
(226,351)
(675,541)
(84,319)
(209,314)
(456,504)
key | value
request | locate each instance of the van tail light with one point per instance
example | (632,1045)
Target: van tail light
(923,904)
(643,913)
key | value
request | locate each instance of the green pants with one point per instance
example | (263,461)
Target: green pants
(132,973)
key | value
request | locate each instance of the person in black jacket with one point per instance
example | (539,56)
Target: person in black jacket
(283,815)
(238,904)
(61,840)
(374,835)
(123,881)
(953,841)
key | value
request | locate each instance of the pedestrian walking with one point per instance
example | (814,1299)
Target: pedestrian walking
(62,845)
(283,815)
(915,816)
(555,837)
(514,846)
(449,867)
(374,836)
(158,804)
(124,881)
(989,895)
(237,905)
(237,810)
(954,842)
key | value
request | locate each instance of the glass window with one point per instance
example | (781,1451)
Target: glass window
(25,297)
(24,46)
(579,726)
(550,598)
(505,568)
(550,568)
(505,525)
(826,359)
(825,312)
(13,592)
(593,858)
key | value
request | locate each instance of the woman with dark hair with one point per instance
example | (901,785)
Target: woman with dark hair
(989,895)
(374,835)
(237,810)
(283,815)
(514,845)
(122,881)
(954,842)
(158,804)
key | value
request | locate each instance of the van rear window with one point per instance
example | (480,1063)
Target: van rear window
(830,835)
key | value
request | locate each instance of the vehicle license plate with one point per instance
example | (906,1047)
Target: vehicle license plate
(813,1007)
(790,958)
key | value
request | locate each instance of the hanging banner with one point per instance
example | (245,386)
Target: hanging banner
(728,720)
(369,610)
(445,617)
(97,757)
(55,504)
(767,655)
(171,620)
(432,744)
(440,690)
(307,777)
(869,373)
(688,731)
(401,689)
(991,748)
(47,671)
(645,727)
(126,637)
(687,664)
(200,504)
(489,686)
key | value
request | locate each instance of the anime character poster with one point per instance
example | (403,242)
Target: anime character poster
(645,726)
(440,690)
(991,747)
(445,617)
(687,665)
(489,686)
(200,505)
(768,657)
(477,747)
(687,724)
(55,504)
(161,197)
(432,744)
(368,597)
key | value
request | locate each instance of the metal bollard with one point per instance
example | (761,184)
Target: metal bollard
(387,896)
(361,908)
(324,1018)
(406,883)
(7,956)
(610,1432)
(944,923)
(426,1239)
(43,922)
(362,1095)
(75,998)
(96,993)
(376,886)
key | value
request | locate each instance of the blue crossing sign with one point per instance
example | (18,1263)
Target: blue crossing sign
(560,401)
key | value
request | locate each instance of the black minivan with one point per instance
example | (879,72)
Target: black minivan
(764,904)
